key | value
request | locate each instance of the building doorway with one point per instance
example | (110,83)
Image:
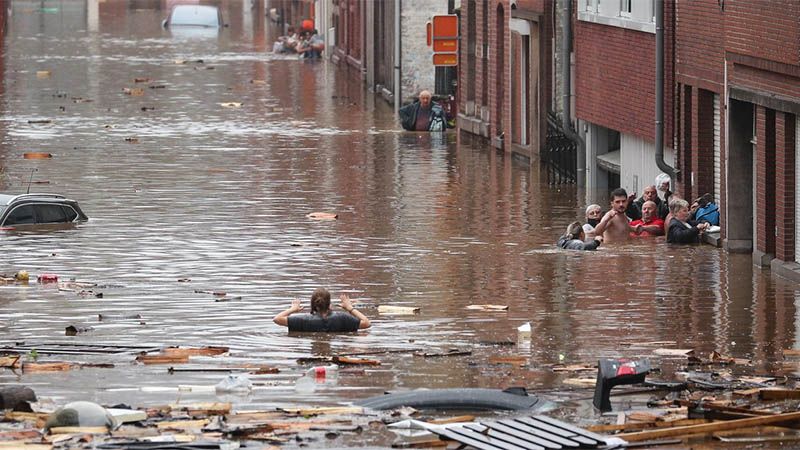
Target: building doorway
(739,177)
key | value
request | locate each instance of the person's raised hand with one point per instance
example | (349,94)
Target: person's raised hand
(296,305)
(344,302)
(631,198)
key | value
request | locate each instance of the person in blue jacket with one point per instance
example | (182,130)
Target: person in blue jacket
(705,210)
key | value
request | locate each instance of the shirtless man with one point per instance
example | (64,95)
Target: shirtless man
(614,225)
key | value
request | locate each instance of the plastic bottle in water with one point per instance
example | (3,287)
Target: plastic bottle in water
(323,373)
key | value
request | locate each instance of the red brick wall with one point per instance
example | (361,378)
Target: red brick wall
(765,180)
(537,6)
(785,189)
(615,78)
(499,80)
(765,29)
(699,44)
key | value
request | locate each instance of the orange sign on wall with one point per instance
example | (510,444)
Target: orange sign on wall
(444,31)
(445,59)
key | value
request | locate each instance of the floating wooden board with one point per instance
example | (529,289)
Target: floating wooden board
(488,307)
(162,359)
(58,348)
(711,427)
(398,310)
(195,351)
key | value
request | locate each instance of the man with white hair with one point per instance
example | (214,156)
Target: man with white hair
(423,115)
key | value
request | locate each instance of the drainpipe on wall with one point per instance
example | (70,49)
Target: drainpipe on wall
(566,97)
(397,97)
(662,165)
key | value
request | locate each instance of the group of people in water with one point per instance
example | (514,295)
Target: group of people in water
(650,215)
(304,41)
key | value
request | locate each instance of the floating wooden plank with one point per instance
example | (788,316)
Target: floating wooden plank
(324,410)
(513,360)
(791,352)
(162,359)
(774,394)
(574,368)
(207,409)
(195,351)
(182,424)
(711,427)
(37,155)
(644,425)
(58,366)
(747,392)
(23,445)
(58,348)
(488,307)
(10,361)
(79,430)
(426,442)
(19,435)
(345,360)
(455,419)
(673,352)
(398,310)
(580,382)
(322,216)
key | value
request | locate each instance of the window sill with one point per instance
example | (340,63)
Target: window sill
(622,22)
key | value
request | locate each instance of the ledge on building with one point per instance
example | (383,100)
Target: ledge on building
(610,161)
(472,125)
(712,239)
(786,269)
(621,22)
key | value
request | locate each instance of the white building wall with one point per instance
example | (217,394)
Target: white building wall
(638,163)
(418,72)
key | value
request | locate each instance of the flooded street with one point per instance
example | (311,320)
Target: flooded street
(180,184)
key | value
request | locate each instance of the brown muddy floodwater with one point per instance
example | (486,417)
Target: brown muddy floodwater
(219,195)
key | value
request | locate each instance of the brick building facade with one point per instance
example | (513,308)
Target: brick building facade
(614,53)
(505,72)
(738,75)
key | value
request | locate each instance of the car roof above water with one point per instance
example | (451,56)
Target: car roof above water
(5,199)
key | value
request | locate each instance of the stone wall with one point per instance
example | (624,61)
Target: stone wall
(417,68)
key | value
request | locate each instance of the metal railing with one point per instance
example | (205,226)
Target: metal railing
(560,153)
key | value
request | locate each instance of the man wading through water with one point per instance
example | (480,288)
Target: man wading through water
(423,115)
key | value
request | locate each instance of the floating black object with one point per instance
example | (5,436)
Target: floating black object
(459,399)
(614,372)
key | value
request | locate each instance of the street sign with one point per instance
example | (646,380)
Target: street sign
(445,59)
(445,33)
(429,34)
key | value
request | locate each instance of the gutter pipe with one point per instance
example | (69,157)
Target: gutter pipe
(566,97)
(396,91)
(662,165)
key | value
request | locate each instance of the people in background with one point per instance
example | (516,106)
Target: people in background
(423,115)
(680,230)
(573,239)
(705,210)
(321,317)
(650,194)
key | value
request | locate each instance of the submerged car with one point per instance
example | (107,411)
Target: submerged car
(38,209)
(194,16)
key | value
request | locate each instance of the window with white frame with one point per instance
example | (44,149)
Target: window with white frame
(625,8)
(633,14)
